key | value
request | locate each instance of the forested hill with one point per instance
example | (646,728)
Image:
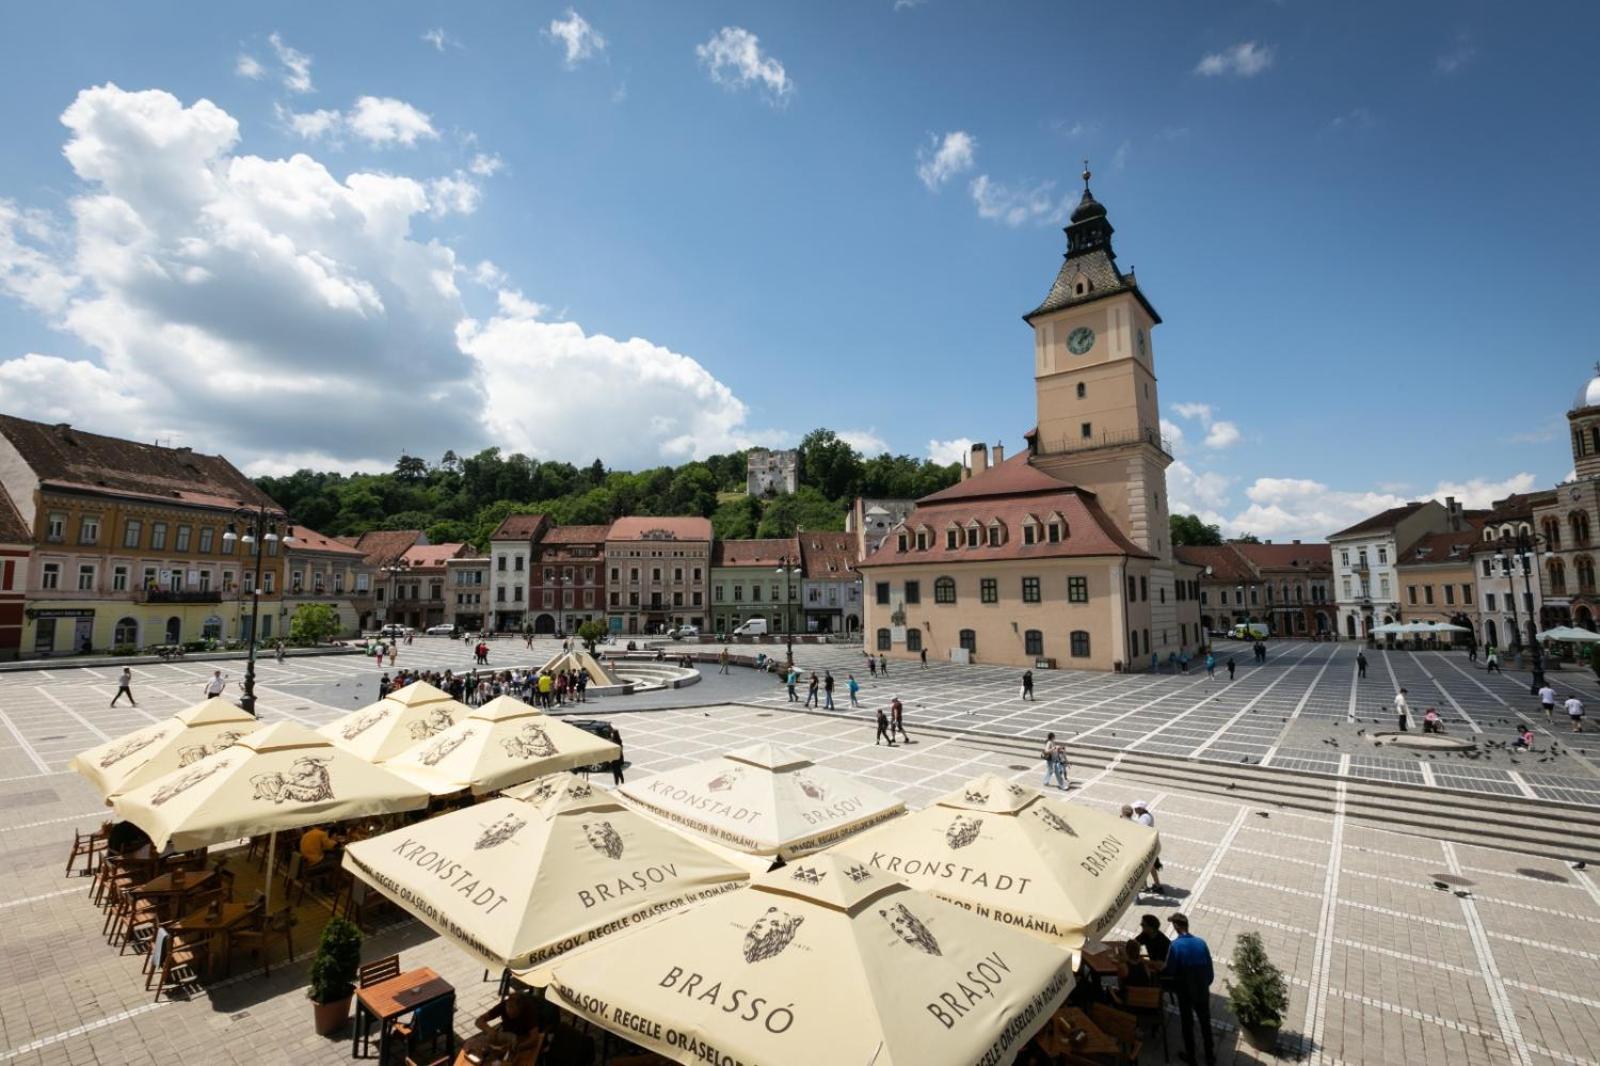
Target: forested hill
(465,498)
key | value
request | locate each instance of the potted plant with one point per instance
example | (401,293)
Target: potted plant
(1260,997)
(333,975)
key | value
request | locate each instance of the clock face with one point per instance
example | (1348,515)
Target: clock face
(1080,340)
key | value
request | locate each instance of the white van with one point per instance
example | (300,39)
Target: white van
(1250,631)
(751,627)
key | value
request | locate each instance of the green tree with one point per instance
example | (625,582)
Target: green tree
(807,508)
(411,468)
(592,633)
(313,623)
(829,464)
(1189,531)
(737,519)
(1247,538)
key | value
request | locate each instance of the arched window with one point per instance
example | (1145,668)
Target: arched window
(174,630)
(126,631)
(1083,390)
(1579,521)
(1552,533)
(1080,643)
(1583,566)
(1033,643)
(969,641)
(913,640)
(1558,578)
(944,590)
(883,640)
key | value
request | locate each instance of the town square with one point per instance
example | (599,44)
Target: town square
(644,534)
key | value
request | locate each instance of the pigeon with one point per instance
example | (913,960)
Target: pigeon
(1441,886)
(1579,865)
(1264,814)
(1361,732)
(1462,893)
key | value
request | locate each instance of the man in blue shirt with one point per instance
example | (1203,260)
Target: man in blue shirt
(1189,969)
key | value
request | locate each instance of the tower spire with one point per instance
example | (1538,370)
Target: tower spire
(1086,176)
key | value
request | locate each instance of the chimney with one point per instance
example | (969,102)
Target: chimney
(1454,508)
(999,453)
(1297,541)
(1267,541)
(980,458)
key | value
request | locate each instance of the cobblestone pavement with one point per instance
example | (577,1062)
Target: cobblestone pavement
(1383,967)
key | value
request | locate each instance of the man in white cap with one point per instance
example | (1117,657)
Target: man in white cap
(1142,815)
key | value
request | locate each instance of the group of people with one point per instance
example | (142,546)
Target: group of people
(891,722)
(540,688)
(1180,964)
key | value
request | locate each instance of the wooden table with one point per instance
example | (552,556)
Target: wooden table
(388,1000)
(1107,962)
(221,923)
(1097,1042)
(168,884)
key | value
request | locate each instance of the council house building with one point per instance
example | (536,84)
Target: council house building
(1059,554)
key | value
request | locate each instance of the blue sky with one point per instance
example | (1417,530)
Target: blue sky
(329,233)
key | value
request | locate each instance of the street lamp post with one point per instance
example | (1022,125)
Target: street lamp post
(260,525)
(788,566)
(1522,548)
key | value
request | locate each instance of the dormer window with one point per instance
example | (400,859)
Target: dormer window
(952,537)
(1030,530)
(904,542)
(974,534)
(997,533)
(1056,528)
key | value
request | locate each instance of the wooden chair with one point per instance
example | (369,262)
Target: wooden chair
(179,958)
(225,880)
(1120,1026)
(87,846)
(257,930)
(357,901)
(429,1023)
(370,973)
(1144,1002)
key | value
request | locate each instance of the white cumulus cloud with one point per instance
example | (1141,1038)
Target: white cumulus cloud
(248,66)
(384,121)
(1017,205)
(733,58)
(1201,411)
(1243,60)
(315,125)
(455,194)
(865,441)
(1219,433)
(945,157)
(580,40)
(296,65)
(1222,434)
(955,450)
(486,165)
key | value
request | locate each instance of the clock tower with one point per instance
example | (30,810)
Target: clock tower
(1099,421)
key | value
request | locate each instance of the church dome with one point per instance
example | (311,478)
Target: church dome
(1589,395)
(1088,207)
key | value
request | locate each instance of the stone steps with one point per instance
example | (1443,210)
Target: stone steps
(1561,831)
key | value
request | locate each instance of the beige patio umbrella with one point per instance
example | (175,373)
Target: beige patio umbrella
(519,883)
(504,742)
(766,801)
(282,776)
(162,747)
(380,731)
(821,961)
(578,659)
(1059,870)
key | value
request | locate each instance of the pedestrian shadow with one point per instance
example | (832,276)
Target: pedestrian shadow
(1169,894)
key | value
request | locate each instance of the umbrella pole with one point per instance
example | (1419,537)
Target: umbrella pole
(272,853)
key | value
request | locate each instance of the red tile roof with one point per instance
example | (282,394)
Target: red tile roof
(1381,520)
(1451,546)
(1013,477)
(1090,531)
(1224,560)
(575,535)
(384,546)
(307,539)
(434,555)
(828,554)
(13,530)
(62,454)
(639,527)
(765,552)
(518,527)
(1287,556)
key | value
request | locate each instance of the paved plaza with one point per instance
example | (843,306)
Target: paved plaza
(1383,967)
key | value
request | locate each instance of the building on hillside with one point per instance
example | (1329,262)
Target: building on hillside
(569,578)
(657,573)
(417,582)
(1364,558)
(127,541)
(466,592)
(831,583)
(1060,553)
(772,472)
(382,550)
(1567,519)
(511,548)
(1436,576)
(752,579)
(16,545)
(1504,598)
(319,569)
(870,521)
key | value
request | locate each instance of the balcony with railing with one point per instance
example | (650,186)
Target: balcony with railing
(177,596)
(1104,439)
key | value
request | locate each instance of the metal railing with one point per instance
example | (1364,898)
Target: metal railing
(1103,439)
(176,596)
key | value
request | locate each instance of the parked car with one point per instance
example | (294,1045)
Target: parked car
(603,730)
(395,629)
(443,629)
(684,632)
